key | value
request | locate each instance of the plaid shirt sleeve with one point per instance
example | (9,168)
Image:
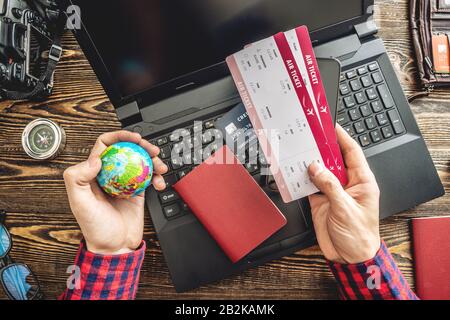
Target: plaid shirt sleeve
(378,279)
(104,277)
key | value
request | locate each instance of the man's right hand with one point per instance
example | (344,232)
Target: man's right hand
(346,220)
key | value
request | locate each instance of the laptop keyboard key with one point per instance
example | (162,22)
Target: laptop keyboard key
(198,127)
(349,102)
(177,163)
(344,88)
(386,96)
(370,123)
(377,78)
(187,159)
(354,114)
(173,138)
(355,85)
(365,110)
(172,211)
(366,81)
(165,152)
(181,174)
(197,157)
(169,196)
(253,150)
(373,66)
(207,138)
(184,206)
(396,122)
(387,132)
(196,140)
(362,71)
(343,119)
(359,127)
(364,140)
(351,74)
(209,124)
(376,106)
(170,180)
(262,160)
(360,98)
(350,130)
(162,141)
(375,136)
(207,153)
(251,168)
(371,94)
(382,119)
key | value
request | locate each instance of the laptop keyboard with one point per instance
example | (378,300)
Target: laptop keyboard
(366,109)
(172,204)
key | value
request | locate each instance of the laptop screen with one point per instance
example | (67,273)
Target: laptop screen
(144,43)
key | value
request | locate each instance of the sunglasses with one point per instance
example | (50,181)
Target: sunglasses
(17,279)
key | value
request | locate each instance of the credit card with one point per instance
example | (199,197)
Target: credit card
(284,112)
(238,131)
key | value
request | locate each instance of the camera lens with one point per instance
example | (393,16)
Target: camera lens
(17,13)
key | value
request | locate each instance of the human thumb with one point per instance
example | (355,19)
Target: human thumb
(83,173)
(325,181)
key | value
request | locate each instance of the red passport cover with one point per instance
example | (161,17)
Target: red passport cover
(431,238)
(230,204)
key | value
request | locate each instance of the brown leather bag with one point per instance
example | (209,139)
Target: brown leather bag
(429,17)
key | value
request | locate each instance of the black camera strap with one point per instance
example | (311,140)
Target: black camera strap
(44,84)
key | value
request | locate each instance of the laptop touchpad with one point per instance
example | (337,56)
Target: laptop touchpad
(297,222)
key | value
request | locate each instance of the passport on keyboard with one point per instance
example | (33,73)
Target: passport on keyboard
(228,202)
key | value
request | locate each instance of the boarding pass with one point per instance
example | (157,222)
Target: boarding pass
(280,86)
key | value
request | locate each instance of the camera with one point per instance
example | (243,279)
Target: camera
(26,35)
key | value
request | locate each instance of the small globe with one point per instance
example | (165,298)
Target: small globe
(127,170)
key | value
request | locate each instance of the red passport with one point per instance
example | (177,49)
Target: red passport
(230,204)
(431,238)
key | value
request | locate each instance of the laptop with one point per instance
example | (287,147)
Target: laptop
(162,66)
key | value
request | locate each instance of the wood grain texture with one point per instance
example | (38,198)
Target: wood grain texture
(46,235)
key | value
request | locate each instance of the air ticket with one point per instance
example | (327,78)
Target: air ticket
(287,111)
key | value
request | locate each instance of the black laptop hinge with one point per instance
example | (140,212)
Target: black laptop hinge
(129,114)
(127,111)
(365,29)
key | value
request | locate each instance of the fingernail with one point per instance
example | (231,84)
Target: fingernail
(315,168)
(158,182)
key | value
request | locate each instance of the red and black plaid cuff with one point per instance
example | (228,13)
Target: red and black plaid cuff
(378,278)
(105,277)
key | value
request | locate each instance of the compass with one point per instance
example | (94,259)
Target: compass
(43,139)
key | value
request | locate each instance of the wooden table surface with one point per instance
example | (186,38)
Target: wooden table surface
(46,235)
